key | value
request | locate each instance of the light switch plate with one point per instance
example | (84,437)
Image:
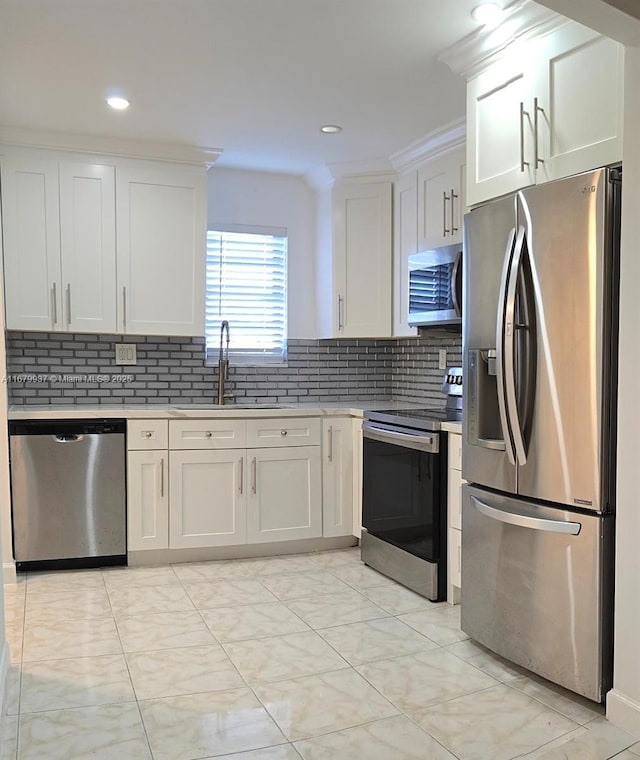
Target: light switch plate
(126,353)
(442,358)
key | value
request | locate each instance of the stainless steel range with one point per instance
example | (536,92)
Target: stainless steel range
(404,497)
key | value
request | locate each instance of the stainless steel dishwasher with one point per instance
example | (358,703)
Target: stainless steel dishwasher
(68,493)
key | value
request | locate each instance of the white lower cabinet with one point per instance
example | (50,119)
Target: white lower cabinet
(208,489)
(208,505)
(147,500)
(338,476)
(454,518)
(285,497)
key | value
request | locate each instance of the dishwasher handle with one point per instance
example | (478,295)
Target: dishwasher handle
(68,438)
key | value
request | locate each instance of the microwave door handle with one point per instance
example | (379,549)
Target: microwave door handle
(454,284)
(509,367)
(500,348)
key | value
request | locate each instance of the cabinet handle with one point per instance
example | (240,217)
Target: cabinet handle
(124,306)
(209,434)
(68,304)
(453,227)
(162,477)
(254,487)
(284,432)
(54,303)
(241,475)
(340,324)
(148,434)
(445,198)
(536,108)
(523,163)
(330,455)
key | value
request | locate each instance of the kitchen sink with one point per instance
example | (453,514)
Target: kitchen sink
(216,407)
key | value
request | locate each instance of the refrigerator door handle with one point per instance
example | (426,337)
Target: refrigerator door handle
(526,521)
(500,349)
(509,360)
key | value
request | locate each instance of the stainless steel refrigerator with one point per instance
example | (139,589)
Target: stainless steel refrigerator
(540,356)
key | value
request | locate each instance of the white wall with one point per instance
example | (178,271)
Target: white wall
(274,200)
(623,703)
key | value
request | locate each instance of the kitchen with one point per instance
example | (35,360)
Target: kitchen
(302,303)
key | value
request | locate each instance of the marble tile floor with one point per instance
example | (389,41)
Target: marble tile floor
(311,656)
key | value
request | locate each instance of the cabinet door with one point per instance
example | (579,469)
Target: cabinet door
(31,234)
(207,499)
(88,243)
(337,477)
(362,251)
(499,138)
(285,498)
(440,201)
(405,242)
(147,500)
(161,237)
(579,87)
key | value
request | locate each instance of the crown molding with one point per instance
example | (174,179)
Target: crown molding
(441,140)
(374,170)
(109,146)
(523,20)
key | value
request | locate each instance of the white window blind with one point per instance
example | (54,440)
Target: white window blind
(247,285)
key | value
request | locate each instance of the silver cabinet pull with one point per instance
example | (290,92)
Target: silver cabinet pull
(284,432)
(162,477)
(330,454)
(241,475)
(445,198)
(340,323)
(523,163)
(453,227)
(254,487)
(54,303)
(148,434)
(68,304)
(124,306)
(536,109)
(208,434)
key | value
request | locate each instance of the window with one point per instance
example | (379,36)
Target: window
(247,285)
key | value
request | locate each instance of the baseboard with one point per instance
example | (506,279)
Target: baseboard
(4,676)
(623,712)
(9,572)
(244,551)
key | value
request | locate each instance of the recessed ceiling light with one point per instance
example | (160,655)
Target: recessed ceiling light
(120,104)
(331,129)
(487,14)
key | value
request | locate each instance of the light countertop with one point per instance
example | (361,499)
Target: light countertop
(353,408)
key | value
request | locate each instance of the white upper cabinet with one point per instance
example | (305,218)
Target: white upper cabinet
(441,200)
(31,234)
(161,251)
(405,242)
(548,109)
(88,245)
(579,90)
(499,134)
(362,260)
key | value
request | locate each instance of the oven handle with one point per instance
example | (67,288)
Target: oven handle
(423,442)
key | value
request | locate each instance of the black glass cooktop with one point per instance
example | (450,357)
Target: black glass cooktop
(424,419)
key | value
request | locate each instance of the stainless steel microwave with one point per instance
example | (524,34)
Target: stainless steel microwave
(435,287)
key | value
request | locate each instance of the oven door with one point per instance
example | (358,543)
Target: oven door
(401,488)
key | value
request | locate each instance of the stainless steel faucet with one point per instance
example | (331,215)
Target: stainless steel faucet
(223,364)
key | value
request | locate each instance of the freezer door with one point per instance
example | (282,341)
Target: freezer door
(565,248)
(488,244)
(537,588)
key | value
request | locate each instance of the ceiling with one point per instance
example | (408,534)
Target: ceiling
(256,78)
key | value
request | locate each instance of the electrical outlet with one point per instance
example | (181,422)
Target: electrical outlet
(442,358)
(126,353)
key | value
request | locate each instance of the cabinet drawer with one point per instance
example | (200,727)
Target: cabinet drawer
(454,498)
(455,451)
(301,431)
(207,434)
(455,557)
(144,435)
